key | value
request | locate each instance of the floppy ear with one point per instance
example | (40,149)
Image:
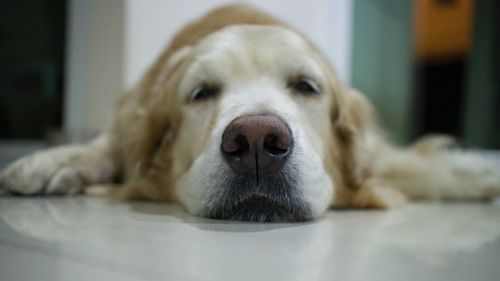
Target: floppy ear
(353,115)
(356,142)
(148,123)
(352,122)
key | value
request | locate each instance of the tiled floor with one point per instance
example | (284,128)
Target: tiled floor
(94,239)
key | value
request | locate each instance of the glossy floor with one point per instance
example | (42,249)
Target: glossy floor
(94,239)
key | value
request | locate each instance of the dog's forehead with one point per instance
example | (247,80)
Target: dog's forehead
(260,43)
(250,51)
(265,35)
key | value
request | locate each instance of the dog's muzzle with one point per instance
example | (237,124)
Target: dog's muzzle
(263,184)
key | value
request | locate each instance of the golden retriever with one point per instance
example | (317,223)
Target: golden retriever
(242,118)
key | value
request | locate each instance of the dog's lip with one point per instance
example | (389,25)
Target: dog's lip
(255,196)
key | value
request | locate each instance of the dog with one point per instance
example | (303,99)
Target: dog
(243,118)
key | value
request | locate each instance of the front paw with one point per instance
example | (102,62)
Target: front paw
(26,176)
(45,172)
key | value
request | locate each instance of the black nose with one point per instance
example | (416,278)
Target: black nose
(257,144)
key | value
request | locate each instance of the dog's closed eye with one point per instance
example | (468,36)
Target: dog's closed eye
(304,85)
(205,92)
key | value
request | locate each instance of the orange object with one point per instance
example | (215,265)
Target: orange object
(442,27)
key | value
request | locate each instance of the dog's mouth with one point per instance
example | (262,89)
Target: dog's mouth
(272,197)
(262,208)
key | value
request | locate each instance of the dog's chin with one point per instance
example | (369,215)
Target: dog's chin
(259,208)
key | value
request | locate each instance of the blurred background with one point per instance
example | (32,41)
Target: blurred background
(429,66)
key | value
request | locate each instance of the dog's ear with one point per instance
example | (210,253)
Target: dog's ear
(352,123)
(356,140)
(352,115)
(148,123)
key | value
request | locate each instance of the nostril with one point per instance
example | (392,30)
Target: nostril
(238,147)
(275,145)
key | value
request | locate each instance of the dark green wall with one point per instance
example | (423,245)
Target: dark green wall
(32,41)
(482,111)
(382,60)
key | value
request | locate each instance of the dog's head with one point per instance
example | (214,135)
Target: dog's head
(256,125)
(261,131)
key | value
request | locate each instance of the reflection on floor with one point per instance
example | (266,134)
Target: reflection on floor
(94,239)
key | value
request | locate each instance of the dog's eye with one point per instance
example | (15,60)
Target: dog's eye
(304,85)
(204,92)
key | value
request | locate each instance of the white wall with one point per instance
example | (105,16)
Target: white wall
(95,60)
(151,23)
(112,42)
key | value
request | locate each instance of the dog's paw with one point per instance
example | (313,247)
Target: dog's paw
(38,173)
(64,170)
(435,143)
(372,194)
